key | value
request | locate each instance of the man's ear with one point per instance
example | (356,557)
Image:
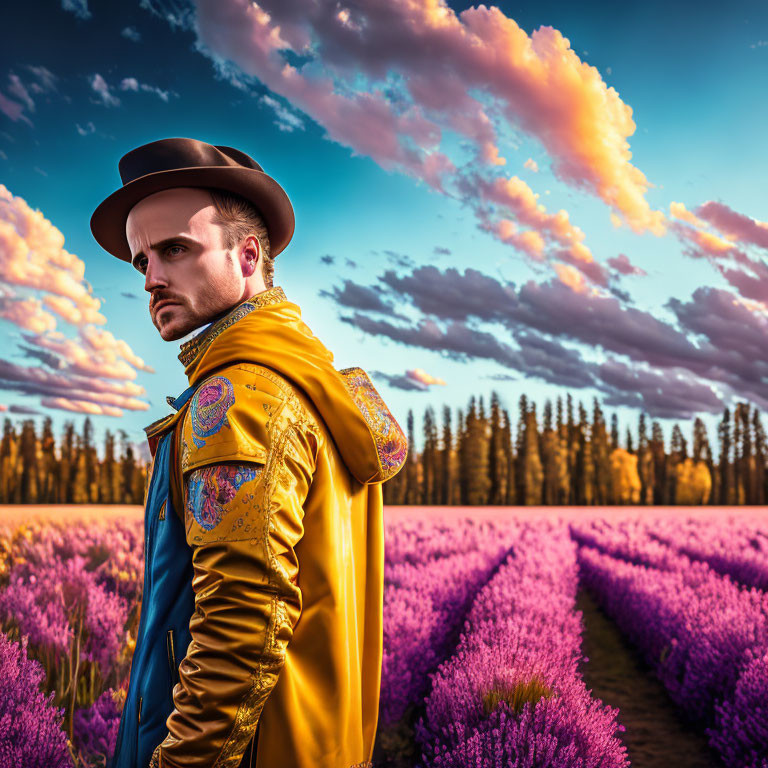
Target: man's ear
(250,254)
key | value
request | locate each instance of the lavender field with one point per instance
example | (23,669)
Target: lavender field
(562,637)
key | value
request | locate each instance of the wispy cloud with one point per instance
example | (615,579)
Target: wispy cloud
(24,410)
(399,381)
(624,266)
(78,7)
(287,120)
(131,33)
(424,378)
(735,245)
(103,91)
(42,82)
(132,84)
(106,93)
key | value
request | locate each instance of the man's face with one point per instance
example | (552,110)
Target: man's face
(189,274)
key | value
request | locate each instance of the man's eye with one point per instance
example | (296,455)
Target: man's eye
(141,265)
(171,247)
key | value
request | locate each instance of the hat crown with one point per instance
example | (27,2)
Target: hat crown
(172,154)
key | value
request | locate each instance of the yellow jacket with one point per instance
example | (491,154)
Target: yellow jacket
(281,458)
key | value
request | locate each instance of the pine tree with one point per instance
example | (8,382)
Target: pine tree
(50,464)
(585,468)
(497,460)
(727,493)
(429,458)
(614,430)
(446,460)
(29,464)
(477,437)
(572,449)
(550,454)
(68,466)
(411,468)
(520,449)
(658,453)
(509,456)
(761,458)
(533,472)
(600,454)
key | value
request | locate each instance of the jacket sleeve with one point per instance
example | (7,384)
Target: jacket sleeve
(248,455)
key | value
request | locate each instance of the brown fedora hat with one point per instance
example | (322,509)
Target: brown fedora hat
(183,162)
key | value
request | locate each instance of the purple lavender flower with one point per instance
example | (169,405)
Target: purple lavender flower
(96,727)
(30,726)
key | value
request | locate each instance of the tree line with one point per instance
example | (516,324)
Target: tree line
(570,456)
(34,470)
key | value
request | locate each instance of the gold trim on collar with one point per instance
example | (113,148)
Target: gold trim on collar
(191,349)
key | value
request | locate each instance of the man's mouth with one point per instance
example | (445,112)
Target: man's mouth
(162,303)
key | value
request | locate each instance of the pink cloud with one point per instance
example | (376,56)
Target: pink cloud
(422,377)
(38,380)
(516,196)
(734,224)
(12,109)
(746,272)
(105,344)
(624,266)
(80,406)
(81,358)
(33,257)
(27,313)
(243,33)
(751,281)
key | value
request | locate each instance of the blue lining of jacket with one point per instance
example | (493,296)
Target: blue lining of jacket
(167,604)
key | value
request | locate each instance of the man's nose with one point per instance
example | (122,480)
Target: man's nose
(155,276)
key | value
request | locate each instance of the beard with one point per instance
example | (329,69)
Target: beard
(213,298)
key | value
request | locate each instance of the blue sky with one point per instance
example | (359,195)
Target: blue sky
(650,293)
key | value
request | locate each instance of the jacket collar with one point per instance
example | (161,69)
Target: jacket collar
(192,350)
(195,348)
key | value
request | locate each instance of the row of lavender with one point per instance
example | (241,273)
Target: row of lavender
(684,594)
(507,691)
(730,547)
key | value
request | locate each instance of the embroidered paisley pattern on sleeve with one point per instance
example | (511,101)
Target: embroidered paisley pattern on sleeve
(211,492)
(391,442)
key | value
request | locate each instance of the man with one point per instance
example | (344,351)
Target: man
(260,635)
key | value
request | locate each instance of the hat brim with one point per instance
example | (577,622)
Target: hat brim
(109,218)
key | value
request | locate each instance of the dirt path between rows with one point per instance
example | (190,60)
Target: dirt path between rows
(657,736)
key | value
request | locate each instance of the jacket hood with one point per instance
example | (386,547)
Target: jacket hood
(267,329)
